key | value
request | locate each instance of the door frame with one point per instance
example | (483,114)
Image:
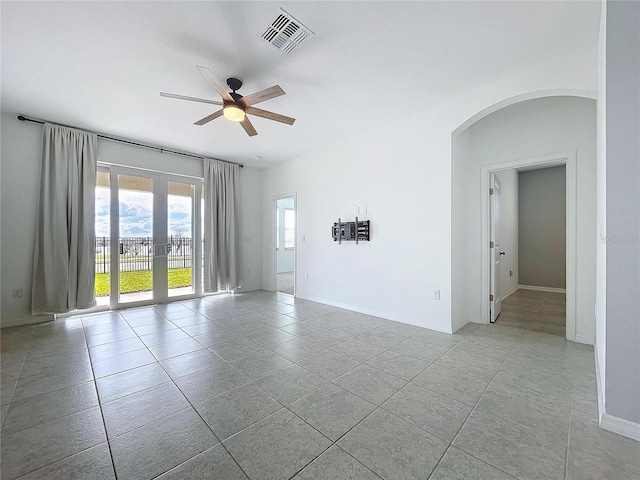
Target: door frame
(158,179)
(494,252)
(274,242)
(568,159)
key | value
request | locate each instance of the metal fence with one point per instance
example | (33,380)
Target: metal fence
(136,253)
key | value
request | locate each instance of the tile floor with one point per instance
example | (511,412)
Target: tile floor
(286,282)
(543,312)
(261,386)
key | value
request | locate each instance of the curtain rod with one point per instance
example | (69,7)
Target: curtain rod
(22,118)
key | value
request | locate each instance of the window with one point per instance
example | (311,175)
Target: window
(289,228)
(278,228)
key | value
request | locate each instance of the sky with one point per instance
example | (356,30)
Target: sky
(136,214)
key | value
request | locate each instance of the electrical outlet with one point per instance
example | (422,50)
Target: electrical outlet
(306,276)
(436,294)
(16,293)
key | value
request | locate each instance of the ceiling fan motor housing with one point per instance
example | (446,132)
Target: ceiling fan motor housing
(234,83)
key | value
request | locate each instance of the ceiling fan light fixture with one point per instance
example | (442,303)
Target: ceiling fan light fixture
(233,112)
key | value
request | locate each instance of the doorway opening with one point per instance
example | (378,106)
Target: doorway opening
(514,299)
(528,235)
(285,244)
(147,237)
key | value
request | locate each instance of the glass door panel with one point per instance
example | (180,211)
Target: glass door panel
(135,242)
(201,236)
(103,236)
(180,229)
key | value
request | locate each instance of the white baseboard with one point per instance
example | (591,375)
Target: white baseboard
(542,289)
(243,289)
(367,311)
(620,426)
(608,422)
(458,325)
(511,292)
(16,322)
(475,319)
(599,383)
(584,339)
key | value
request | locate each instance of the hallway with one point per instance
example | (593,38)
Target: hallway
(543,312)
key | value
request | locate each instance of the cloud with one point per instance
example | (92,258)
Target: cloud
(103,206)
(179,215)
(136,214)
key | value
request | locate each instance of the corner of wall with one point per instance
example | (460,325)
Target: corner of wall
(457,325)
(600,307)
(599,382)
(620,426)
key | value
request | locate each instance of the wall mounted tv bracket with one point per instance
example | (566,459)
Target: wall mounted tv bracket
(351,231)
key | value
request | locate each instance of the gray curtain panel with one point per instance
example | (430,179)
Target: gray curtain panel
(64,254)
(221,241)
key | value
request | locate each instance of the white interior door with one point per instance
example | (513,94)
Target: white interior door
(495,301)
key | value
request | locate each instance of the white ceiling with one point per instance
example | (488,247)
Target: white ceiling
(101,65)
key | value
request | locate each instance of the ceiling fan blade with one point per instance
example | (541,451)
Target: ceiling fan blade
(208,118)
(209,75)
(248,127)
(191,99)
(270,115)
(262,95)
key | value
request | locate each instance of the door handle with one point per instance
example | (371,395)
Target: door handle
(502,253)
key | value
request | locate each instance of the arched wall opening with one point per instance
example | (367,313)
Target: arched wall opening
(531,128)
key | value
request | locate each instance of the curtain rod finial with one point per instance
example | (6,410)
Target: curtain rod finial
(22,118)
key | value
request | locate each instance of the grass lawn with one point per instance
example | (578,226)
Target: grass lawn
(141,281)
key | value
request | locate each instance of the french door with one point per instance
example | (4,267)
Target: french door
(155,251)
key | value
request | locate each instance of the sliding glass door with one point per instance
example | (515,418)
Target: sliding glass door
(153,252)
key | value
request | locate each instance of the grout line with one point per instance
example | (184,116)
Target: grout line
(253,308)
(192,408)
(104,423)
(440,460)
(482,394)
(15,386)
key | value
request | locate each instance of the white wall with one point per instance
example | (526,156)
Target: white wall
(405,185)
(601,195)
(509,273)
(285,257)
(461,150)
(542,227)
(21,154)
(21,157)
(622,387)
(402,169)
(525,130)
(250,229)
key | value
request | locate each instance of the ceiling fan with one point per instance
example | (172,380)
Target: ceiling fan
(235,106)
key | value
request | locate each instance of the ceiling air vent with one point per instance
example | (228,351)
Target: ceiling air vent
(286,33)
